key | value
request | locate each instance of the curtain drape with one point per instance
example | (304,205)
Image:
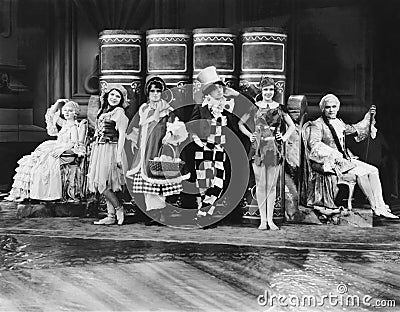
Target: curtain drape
(115,14)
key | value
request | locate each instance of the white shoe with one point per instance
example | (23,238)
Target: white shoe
(385,213)
(109,220)
(119,212)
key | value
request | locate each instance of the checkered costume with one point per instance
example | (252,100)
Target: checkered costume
(209,164)
(142,186)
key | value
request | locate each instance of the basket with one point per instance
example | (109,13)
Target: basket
(166,169)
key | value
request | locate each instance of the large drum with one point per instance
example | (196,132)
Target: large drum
(169,56)
(121,61)
(216,47)
(264,54)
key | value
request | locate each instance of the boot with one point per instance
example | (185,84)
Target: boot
(119,211)
(109,220)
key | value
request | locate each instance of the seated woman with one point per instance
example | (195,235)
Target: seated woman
(38,175)
(328,150)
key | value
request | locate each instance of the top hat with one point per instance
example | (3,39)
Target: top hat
(208,76)
(150,79)
(107,87)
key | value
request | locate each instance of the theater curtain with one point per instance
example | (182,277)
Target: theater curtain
(115,14)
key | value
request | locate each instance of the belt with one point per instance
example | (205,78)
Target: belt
(265,128)
(105,139)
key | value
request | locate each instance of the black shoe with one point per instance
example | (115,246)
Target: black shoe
(204,222)
(153,223)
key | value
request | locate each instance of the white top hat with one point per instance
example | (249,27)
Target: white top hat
(209,76)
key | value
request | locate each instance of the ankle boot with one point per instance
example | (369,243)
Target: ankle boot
(119,211)
(109,220)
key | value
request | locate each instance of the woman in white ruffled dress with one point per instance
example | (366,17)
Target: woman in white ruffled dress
(38,175)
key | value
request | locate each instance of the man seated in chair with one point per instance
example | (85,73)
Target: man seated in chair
(329,154)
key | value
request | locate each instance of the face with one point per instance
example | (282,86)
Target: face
(331,109)
(217,92)
(68,111)
(114,98)
(154,94)
(268,93)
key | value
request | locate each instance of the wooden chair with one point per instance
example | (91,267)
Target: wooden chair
(347,179)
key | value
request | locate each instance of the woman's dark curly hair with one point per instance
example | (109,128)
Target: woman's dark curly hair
(105,108)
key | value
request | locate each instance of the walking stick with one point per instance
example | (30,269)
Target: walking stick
(282,180)
(371,118)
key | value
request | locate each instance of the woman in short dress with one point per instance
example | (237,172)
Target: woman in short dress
(264,121)
(107,161)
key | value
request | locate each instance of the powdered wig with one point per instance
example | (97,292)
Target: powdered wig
(328,98)
(74,105)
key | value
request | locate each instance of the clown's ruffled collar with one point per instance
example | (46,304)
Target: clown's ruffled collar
(217,106)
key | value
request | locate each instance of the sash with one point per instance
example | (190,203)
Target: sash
(336,138)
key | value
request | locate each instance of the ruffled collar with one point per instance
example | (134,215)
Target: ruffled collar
(150,112)
(216,106)
(109,114)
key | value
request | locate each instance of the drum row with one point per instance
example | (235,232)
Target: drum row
(176,55)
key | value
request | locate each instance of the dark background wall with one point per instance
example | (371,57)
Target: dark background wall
(347,47)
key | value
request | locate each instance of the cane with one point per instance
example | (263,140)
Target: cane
(371,118)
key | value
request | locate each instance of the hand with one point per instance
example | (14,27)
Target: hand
(197,140)
(278,137)
(230,92)
(252,137)
(60,102)
(119,162)
(372,110)
(167,137)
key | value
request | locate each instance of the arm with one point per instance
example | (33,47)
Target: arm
(132,132)
(315,135)
(74,135)
(53,119)
(57,107)
(193,124)
(362,128)
(121,125)
(289,130)
(243,128)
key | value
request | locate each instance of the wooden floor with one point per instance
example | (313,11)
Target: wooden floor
(153,286)
(68,264)
(207,284)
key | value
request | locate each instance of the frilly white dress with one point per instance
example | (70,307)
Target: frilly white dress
(38,175)
(103,171)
